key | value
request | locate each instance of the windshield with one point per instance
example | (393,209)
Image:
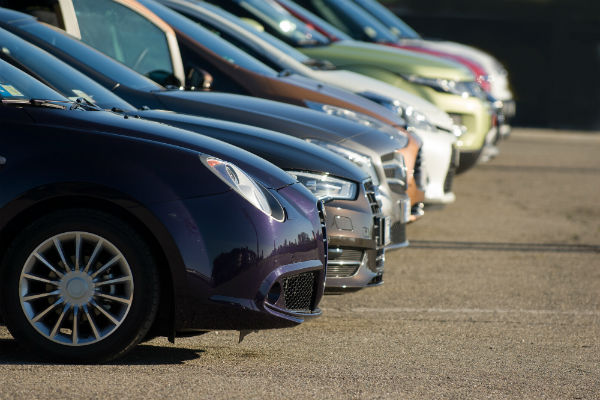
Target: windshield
(16,85)
(270,39)
(68,81)
(351,19)
(276,20)
(92,58)
(388,18)
(319,23)
(208,39)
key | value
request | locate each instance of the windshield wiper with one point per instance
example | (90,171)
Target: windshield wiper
(85,104)
(35,103)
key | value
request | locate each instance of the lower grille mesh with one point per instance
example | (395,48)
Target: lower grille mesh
(299,290)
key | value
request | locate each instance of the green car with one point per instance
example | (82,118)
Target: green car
(445,83)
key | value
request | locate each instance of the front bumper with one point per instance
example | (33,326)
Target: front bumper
(241,269)
(357,233)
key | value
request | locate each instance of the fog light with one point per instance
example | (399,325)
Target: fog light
(274,293)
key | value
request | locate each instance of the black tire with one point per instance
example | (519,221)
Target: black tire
(95,337)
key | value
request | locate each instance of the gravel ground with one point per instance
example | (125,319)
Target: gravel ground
(497,297)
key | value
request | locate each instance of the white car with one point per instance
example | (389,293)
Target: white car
(432,125)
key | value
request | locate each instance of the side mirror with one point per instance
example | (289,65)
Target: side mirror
(198,79)
(165,78)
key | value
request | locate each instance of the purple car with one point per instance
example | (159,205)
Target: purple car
(113,228)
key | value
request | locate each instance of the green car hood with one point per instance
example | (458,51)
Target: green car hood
(352,53)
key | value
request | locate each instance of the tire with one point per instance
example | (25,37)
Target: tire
(94,310)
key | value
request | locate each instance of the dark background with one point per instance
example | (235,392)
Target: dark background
(551,49)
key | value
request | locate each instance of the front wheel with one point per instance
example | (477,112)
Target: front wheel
(79,285)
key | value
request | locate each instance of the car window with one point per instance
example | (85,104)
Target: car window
(276,20)
(124,35)
(351,19)
(55,73)
(388,18)
(52,38)
(17,85)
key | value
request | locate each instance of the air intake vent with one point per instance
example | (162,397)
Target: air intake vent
(299,290)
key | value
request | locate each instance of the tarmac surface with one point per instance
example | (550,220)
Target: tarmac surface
(497,297)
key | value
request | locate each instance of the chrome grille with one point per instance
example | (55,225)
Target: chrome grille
(299,290)
(341,271)
(370,193)
(343,262)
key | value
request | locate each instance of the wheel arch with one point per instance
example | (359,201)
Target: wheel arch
(25,210)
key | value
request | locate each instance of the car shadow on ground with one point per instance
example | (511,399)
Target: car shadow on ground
(12,353)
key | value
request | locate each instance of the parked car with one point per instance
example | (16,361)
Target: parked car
(357,230)
(360,24)
(373,151)
(207,58)
(112,226)
(494,77)
(438,140)
(447,84)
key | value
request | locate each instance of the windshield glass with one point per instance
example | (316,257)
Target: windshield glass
(68,81)
(313,19)
(17,85)
(208,39)
(270,39)
(92,58)
(388,18)
(351,19)
(276,20)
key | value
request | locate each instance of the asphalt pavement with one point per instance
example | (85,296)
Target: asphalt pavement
(497,297)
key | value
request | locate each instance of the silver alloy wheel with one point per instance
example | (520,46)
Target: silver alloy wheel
(76,288)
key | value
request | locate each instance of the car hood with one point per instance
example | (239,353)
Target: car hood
(363,84)
(349,52)
(286,152)
(300,122)
(354,101)
(104,122)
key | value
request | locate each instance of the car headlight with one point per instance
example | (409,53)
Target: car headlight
(326,187)
(464,89)
(364,162)
(245,186)
(412,117)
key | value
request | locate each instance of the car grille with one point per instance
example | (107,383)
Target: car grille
(299,291)
(370,192)
(343,262)
(378,226)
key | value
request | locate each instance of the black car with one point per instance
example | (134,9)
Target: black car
(111,226)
